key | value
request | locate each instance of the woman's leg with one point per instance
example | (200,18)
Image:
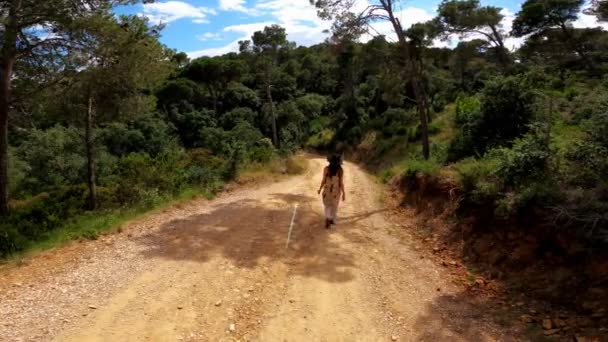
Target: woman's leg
(328,213)
(334,215)
(334,210)
(327,217)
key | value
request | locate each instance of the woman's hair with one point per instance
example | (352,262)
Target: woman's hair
(335,164)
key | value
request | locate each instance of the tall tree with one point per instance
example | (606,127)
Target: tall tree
(214,74)
(266,45)
(467,17)
(537,16)
(599,8)
(123,58)
(467,62)
(34,28)
(383,10)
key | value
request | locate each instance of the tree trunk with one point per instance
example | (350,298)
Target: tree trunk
(503,57)
(5,86)
(423,106)
(8,56)
(416,75)
(91,157)
(214,97)
(275,136)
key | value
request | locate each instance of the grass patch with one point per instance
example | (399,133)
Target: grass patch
(565,136)
(445,129)
(274,170)
(427,167)
(386,175)
(296,165)
(470,171)
(321,139)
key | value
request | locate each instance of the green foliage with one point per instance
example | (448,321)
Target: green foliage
(426,167)
(165,124)
(320,137)
(236,116)
(395,121)
(468,118)
(528,159)
(538,15)
(467,17)
(512,179)
(505,110)
(312,105)
(472,172)
(146,133)
(238,95)
(190,125)
(321,140)
(179,93)
(54,159)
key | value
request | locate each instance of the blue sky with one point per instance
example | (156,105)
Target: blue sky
(213,27)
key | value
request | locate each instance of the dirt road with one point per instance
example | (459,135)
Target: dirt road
(220,271)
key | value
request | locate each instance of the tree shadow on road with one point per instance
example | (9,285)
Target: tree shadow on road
(468,317)
(250,233)
(360,217)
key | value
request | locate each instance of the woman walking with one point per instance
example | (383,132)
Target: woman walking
(332,187)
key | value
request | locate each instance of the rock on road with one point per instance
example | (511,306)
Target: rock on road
(219,271)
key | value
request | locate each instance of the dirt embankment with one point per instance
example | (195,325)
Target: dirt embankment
(529,257)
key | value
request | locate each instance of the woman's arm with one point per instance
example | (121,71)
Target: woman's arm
(323,181)
(342,185)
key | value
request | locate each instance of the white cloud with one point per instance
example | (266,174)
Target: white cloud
(166,12)
(583,21)
(209,36)
(303,26)
(232,5)
(245,31)
(589,21)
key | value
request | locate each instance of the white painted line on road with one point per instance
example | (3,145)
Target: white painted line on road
(293,218)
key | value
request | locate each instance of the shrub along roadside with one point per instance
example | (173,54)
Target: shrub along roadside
(91,225)
(52,219)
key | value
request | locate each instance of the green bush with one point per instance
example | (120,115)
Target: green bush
(312,105)
(318,125)
(472,172)
(292,125)
(238,95)
(34,219)
(263,151)
(191,125)
(17,172)
(585,196)
(396,121)
(427,167)
(54,159)
(587,164)
(232,118)
(467,110)
(322,139)
(513,179)
(505,111)
(528,160)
